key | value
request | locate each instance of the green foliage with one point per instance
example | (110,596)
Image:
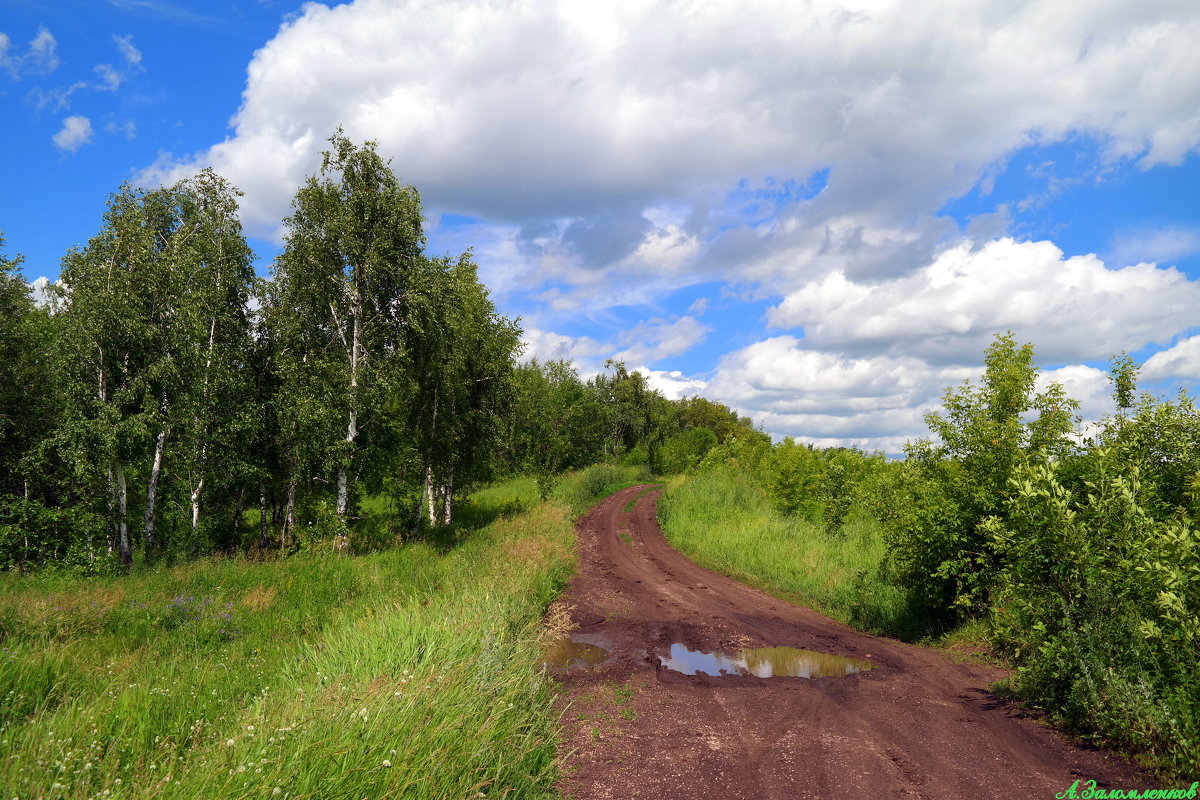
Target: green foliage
(955,483)
(723,518)
(582,489)
(1097,605)
(796,478)
(407,673)
(686,449)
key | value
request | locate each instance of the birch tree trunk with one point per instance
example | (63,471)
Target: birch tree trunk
(447,498)
(196,507)
(289,516)
(262,515)
(152,488)
(122,528)
(112,509)
(343,488)
(427,494)
(203,427)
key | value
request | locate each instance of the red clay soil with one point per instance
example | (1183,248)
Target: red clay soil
(916,726)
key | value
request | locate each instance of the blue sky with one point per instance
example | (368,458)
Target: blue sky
(819,215)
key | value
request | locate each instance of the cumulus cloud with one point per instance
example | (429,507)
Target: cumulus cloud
(643,344)
(564,110)
(673,384)
(550,346)
(656,339)
(1072,308)
(76,132)
(1179,361)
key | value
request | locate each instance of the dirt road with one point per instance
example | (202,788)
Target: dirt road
(915,726)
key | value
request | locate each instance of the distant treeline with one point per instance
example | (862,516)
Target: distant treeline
(165,401)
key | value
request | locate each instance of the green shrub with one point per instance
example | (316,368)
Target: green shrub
(1098,606)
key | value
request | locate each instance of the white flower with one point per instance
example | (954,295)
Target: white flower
(387,764)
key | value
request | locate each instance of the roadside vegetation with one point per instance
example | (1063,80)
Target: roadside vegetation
(412,672)
(1075,557)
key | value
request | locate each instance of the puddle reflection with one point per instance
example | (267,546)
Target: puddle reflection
(564,653)
(765,662)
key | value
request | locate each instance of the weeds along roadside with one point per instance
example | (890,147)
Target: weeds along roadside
(723,520)
(411,672)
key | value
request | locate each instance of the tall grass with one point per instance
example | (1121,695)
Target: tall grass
(582,489)
(725,522)
(407,673)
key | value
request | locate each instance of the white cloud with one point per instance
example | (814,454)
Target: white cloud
(643,344)
(132,56)
(1088,385)
(673,384)
(656,339)
(1179,361)
(550,346)
(1158,245)
(1071,308)
(110,79)
(519,111)
(129,128)
(40,56)
(820,396)
(76,132)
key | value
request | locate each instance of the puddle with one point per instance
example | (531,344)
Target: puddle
(564,653)
(765,662)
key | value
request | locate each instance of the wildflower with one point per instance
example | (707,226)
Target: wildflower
(387,764)
(229,742)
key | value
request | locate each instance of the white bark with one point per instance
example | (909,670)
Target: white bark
(262,514)
(429,488)
(196,507)
(199,487)
(428,493)
(152,487)
(447,499)
(343,488)
(122,528)
(289,519)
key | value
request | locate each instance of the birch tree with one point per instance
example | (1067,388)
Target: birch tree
(462,363)
(109,350)
(354,240)
(212,337)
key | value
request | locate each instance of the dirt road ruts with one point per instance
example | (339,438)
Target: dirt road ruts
(916,726)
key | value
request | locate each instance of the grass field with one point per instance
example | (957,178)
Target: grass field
(413,672)
(722,521)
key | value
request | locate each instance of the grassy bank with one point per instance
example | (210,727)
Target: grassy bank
(583,489)
(411,672)
(722,520)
